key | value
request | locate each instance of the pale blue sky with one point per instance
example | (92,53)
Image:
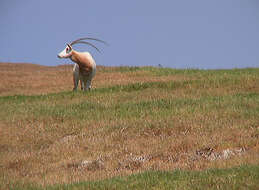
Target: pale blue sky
(205,34)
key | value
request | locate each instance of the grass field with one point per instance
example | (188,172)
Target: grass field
(139,127)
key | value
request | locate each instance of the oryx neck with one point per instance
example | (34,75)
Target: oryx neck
(74,56)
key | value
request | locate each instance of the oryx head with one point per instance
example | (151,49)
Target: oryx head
(66,53)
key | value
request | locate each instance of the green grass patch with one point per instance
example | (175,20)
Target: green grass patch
(87,106)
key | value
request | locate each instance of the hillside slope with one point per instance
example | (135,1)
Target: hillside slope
(135,119)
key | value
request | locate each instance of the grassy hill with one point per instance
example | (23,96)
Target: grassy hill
(162,125)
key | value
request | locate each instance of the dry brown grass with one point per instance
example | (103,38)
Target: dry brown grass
(54,148)
(31,79)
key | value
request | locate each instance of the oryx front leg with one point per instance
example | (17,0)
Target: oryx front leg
(76,76)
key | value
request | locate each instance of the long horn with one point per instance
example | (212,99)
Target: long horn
(82,42)
(80,39)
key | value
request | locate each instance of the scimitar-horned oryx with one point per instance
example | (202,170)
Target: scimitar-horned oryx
(85,66)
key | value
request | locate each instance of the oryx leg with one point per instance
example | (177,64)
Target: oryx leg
(89,80)
(76,76)
(81,84)
(84,83)
(88,84)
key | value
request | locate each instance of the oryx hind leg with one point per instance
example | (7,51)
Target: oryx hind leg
(88,84)
(91,76)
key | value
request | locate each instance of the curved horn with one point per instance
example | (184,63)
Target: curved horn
(82,42)
(80,39)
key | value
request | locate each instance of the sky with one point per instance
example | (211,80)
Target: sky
(201,34)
